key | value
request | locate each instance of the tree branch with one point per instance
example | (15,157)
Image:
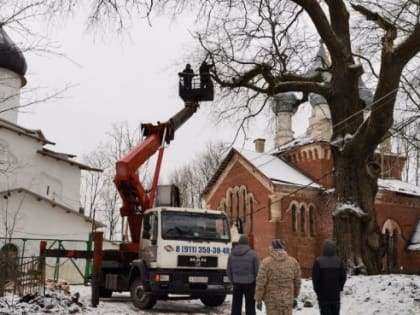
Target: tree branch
(274,85)
(388,27)
(339,17)
(321,23)
(409,47)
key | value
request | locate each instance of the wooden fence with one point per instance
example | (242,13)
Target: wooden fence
(21,276)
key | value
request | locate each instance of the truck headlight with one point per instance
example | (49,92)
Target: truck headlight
(161,278)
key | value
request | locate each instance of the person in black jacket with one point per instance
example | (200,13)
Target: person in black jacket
(242,270)
(187,75)
(328,279)
(204,71)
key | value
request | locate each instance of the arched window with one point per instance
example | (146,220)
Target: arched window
(311,221)
(294,218)
(243,202)
(238,201)
(232,217)
(302,219)
(251,213)
(9,250)
(9,261)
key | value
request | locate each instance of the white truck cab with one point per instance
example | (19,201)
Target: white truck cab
(182,251)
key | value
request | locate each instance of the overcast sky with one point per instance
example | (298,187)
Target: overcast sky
(130,77)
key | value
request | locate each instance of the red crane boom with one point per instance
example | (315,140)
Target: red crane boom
(135,198)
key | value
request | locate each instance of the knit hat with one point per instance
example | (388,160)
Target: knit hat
(278,244)
(243,239)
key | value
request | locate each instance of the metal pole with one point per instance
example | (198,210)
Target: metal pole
(97,266)
(88,265)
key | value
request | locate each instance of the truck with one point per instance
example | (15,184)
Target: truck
(173,252)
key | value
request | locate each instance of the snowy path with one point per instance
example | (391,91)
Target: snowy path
(374,295)
(363,295)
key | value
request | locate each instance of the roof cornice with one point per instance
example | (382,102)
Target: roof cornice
(32,133)
(52,202)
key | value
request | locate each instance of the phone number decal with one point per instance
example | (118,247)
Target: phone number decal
(202,249)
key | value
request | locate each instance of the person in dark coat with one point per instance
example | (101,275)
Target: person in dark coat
(187,75)
(204,71)
(328,279)
(242,270)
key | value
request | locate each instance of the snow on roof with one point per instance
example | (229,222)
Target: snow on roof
(32,133)
(65,157)
(276,169)
(415,239)
(399,186)
(296,142)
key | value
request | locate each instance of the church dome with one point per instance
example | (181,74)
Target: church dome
(11,57)
(284,102)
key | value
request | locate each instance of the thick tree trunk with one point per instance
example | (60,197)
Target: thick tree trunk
(356,230)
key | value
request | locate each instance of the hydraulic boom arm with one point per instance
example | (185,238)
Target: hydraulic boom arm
(135,198)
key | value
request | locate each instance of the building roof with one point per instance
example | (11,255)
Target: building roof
(53,203)
(38,135)
(65,157)
(32,133)
(276,169)
(415,239)
(296,142)
(11,57)
(399,186)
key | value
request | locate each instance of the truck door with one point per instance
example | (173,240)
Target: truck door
(148,240)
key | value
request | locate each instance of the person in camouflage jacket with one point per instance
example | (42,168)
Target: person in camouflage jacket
(278,281)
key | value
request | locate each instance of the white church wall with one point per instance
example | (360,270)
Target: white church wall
(10,83)
(39,219)
(49,177)
(59,180)
(21,173)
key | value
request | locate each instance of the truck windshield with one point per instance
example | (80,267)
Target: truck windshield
(178,225)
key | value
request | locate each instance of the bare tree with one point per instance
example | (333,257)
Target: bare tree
(91,182)
(407,144)
(98,194)
(192,178)
(262,48)
(10,216)
(17,17)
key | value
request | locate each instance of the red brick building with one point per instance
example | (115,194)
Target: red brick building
(289,193)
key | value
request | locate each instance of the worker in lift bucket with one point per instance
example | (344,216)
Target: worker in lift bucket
(205,79)
(187,75)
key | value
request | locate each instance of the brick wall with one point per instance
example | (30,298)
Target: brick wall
(315,160)
(302,244)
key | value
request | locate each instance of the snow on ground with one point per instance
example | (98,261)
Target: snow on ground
(363,295)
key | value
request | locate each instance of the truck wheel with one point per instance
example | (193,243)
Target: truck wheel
(213,300)
(104,293)
(141,298)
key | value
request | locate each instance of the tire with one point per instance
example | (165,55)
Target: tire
(213,300)
(140,297)
(104,293)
